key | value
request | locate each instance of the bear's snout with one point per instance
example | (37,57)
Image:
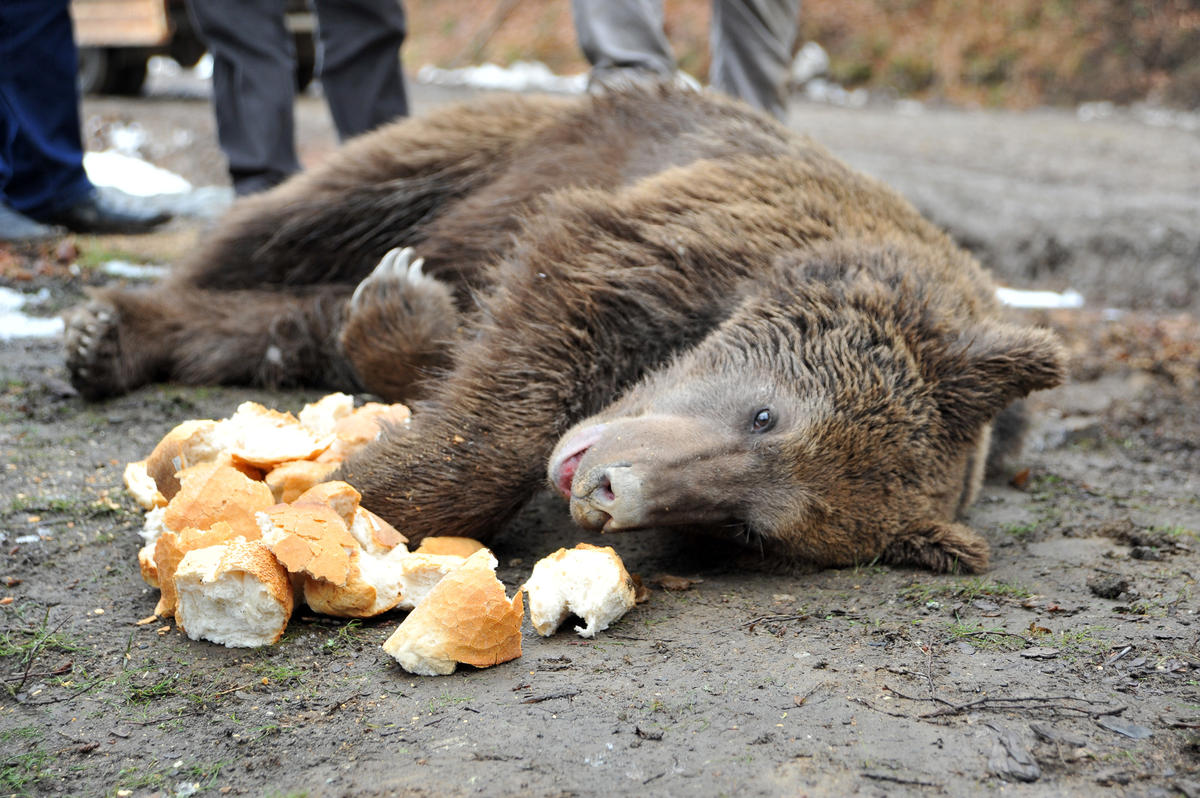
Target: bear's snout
(654,470)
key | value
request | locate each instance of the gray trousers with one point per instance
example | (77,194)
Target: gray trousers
(254,77)
(750,40)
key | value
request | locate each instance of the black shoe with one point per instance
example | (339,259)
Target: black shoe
(18,227)
(97,213)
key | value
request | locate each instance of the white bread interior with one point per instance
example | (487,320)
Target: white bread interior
(265,438)
(142,486)
(234,594)
(587,581)
(321,416)
(375,535)
(419,574)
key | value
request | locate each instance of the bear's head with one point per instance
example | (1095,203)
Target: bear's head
(834,423)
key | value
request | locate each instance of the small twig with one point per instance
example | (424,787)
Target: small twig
(33,652)
(774,619)
(899,779)
(70,697)
(1051,702)
(928,649)
(1119,654)
(540,698)
(874,708)
(984,633)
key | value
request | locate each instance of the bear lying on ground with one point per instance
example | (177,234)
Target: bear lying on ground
(697,317)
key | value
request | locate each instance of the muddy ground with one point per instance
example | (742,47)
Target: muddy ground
(1072,666)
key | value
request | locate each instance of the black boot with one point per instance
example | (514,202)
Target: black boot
(97,213)
(19,228)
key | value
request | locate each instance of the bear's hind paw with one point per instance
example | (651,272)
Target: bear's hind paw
(91,336)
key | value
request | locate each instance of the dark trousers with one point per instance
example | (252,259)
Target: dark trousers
(750,42)
(254,77)
(41,152)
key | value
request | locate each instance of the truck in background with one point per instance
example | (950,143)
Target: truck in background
(117,38)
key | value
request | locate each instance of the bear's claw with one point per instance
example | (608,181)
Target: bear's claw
(398,265)
(93,349)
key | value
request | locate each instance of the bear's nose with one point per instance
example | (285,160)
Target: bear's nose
(609,498)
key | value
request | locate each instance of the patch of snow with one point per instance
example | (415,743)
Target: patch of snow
(15,324)
(824,91)
(132,271)
(810,61)
(132,175)
(520,76)
(1018,298)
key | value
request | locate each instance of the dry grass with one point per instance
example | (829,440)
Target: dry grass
(1018,53)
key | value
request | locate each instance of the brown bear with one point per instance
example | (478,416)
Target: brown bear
(697,318)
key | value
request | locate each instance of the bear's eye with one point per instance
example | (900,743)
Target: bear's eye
(763,420)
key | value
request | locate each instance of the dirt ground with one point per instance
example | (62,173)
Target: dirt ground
(1071,667)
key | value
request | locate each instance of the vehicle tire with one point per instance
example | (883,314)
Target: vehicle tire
(129,78)
(109,70)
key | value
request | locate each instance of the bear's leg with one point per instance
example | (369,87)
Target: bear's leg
(383,189)
(122,339)
(939,546)
(399,327)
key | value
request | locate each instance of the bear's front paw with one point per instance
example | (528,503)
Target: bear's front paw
(91,337)
(399,326)
(397,280)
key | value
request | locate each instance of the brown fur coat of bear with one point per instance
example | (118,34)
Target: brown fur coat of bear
(697,318)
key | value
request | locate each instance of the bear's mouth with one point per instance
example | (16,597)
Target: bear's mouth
(566,473)
(570,451)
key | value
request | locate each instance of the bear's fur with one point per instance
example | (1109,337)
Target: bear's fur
(721,325)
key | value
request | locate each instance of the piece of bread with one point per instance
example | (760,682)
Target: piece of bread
(449,544)
(188,444)
(211,492)
(587,581)
(288,480)
(265,438)
(375,535)
(310,539)
(361,427)
(142,486)
(171,548)
(147,566)
(374,585)
(321,416)
(465,618)
(235,594)
(341,497)
(420,573)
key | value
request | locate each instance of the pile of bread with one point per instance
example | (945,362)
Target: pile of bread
(242,523)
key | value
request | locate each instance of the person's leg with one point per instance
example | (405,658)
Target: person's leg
(360,62)
(254,86)
(41,153)
(751,43)
(619,36)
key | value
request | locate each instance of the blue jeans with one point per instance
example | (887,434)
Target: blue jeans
(41,152)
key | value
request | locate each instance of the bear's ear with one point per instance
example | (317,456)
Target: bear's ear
(990,366)
(940,546)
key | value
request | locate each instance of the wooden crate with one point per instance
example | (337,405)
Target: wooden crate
(120,23)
